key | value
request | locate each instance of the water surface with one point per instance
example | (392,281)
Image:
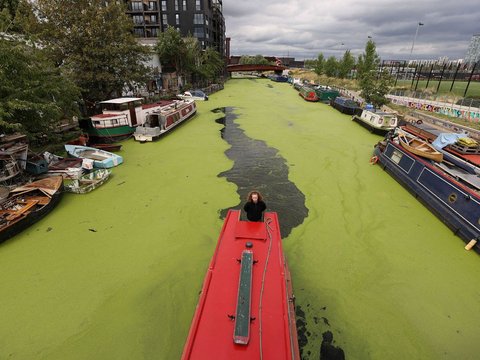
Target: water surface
(116,274)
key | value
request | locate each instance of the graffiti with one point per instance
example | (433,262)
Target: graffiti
(461,112)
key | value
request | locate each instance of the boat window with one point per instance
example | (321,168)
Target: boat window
(396,156)
(114,121)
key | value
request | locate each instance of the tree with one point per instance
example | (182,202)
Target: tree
(92,41)
(172,51)
(331,66)
(10,6)
(320,65)
(33,93)
(346,65)
(211,64)
(374,86)
(253,60)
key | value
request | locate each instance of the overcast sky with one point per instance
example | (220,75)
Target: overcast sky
(302,29)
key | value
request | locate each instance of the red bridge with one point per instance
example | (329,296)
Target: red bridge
(251,67)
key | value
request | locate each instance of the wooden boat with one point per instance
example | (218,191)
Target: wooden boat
(101,159)
(118,119)
(36,164)
(418,146)
(88,182)
(69,168)
(307,93)
(246,307)
(84,141)
(164,120)
(27,204)
(377,121)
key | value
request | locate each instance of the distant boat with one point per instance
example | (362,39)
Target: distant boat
(326,93)
(118,119)
(308,93)
(165,119)
(88,182)
(279,78)
(193,95)
(418,146)
(101,159)
(345,105)
(246,308)
(377,121)
(27,204)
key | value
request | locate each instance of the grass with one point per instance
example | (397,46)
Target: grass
(458,88)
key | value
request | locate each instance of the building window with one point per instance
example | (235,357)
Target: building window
(177,19)
(198,32)
(164,5)
(153,19)
(198,19)
(137,6)
(198,5)
(184,5)
(176,5)
(152,5)
(164,20)
(138,19)
(138,32)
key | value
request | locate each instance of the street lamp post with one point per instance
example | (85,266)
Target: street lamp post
(415,37)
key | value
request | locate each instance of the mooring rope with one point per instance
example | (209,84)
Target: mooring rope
(269,230)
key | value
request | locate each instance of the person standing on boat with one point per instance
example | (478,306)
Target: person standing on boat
(255,206)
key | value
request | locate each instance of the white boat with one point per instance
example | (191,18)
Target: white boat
(101,158)
(88,182)
(193,95)
(165,120)
(118,119)
(377,121)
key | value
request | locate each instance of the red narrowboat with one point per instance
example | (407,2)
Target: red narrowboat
(308,94)
(246,308)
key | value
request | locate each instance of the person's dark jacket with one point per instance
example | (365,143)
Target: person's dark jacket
(254,210)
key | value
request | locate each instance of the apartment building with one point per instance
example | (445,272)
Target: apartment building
(202,19)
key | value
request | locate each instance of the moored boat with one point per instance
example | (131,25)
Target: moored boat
(88,182)
(165,119)
(451,192)
(345,105)
(84,141)
(326,94)
(377,121)
(246,306)
(69,168)
(308,93)
(418,146)
(118,119)
(27,204)
(101,159)
(193,95)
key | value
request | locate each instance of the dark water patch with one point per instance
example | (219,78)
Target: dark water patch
(270,86)
(328,351)
(258,166)
(302,336)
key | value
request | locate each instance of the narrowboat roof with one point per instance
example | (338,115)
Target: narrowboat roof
(269,327)
(121,100)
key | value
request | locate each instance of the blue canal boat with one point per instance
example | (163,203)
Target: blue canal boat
(101,159)
(448,190)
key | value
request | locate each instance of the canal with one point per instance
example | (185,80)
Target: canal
(116,274)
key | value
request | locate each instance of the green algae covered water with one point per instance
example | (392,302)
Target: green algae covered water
(115,274)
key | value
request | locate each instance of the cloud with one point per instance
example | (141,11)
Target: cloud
(303,28)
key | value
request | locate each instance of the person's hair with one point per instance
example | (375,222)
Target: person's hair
(249,196)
